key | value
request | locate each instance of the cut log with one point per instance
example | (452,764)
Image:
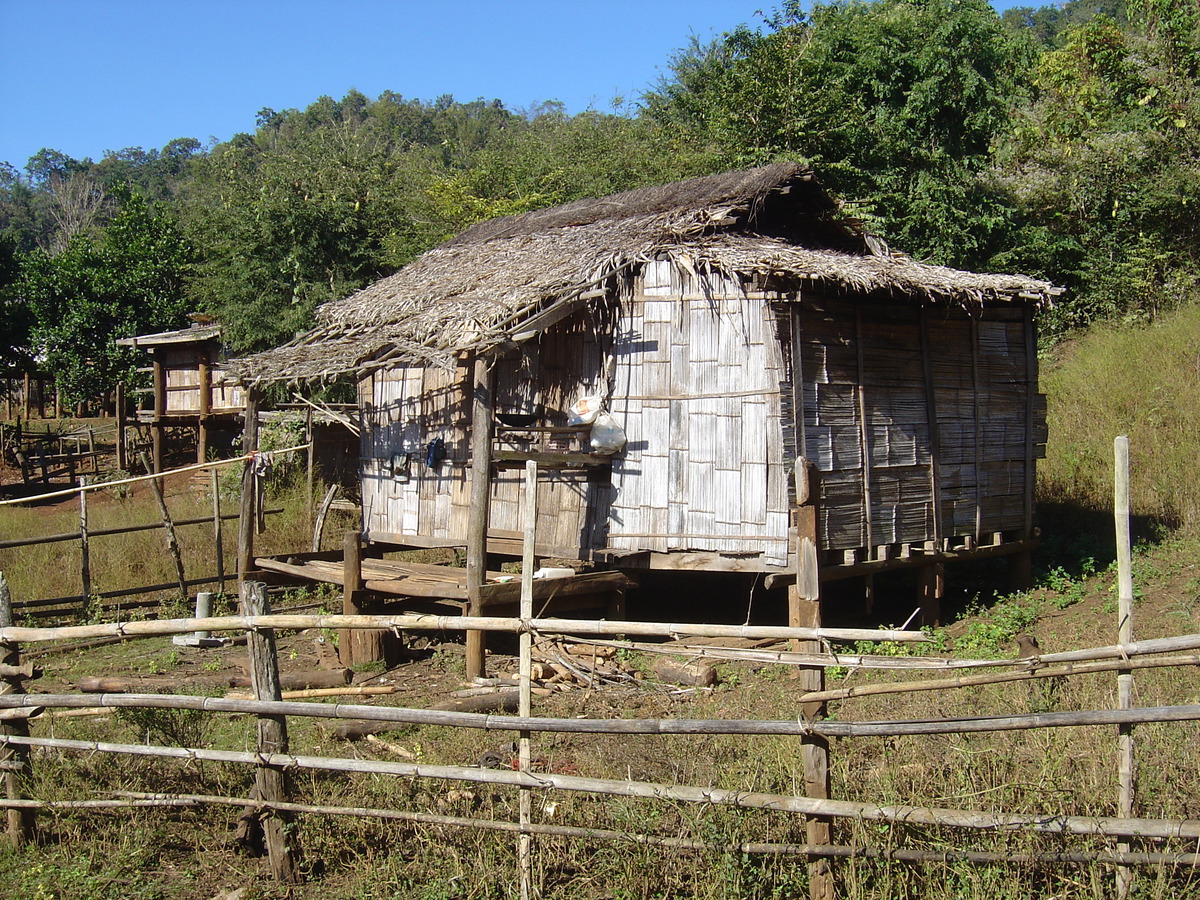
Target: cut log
(501,701)
(303,681)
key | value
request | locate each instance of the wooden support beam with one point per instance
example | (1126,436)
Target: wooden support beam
(205,377)
(482,408)
(356,646)
(119,409)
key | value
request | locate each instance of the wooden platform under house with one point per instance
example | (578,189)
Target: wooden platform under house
(793,396)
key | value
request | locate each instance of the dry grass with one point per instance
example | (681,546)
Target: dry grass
(1142,382)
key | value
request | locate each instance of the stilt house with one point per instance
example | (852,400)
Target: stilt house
(730,326)
(189,385)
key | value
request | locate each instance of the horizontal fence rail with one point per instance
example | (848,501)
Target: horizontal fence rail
(34,703)
(1105,826)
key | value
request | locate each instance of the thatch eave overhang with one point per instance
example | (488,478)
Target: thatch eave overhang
(508,279)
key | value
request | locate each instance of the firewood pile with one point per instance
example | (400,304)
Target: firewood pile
(563,666)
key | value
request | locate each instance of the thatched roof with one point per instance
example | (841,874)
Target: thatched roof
(506,277)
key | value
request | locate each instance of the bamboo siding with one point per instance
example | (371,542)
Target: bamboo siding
(924,423)
(696,388)
(181,371)
(916,421)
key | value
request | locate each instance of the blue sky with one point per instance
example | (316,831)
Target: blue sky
(86,76)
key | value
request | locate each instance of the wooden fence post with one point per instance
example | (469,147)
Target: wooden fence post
(169,527)
(122,462)
(218,539)
(1125,776)
(14,758)
(804,610)
(85,555)
(247,517)
(270,782)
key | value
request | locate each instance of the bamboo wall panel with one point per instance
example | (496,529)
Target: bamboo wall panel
(867,427)
(696,390)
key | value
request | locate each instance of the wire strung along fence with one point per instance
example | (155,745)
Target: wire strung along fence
(89,600)
(1175,842)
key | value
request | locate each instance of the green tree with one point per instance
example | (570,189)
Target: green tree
(126,281)
(895,103)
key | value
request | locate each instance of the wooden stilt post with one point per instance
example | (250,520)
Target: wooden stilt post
(15,757)
(477,525)
(26,403)
(356,645)
(247,515)
(270,782)
(205,375)
(1125,771)
(308,483)
(804,610)
(160,410)
(931,580)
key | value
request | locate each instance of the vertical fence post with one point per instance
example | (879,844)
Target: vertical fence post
(14,757)
(1124,636)
(804,610)
(525,693)
(85,555)
(270,782)
(169,528)
(311,465)
(119,409)
(247,517)
(214,487)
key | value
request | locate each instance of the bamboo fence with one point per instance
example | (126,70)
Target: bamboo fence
(272,759)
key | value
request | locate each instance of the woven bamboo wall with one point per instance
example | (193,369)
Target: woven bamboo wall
(181,368)
(938,402)
(696,388)
(406,407)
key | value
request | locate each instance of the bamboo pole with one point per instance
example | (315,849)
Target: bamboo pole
(85,556)
(938,684)
(1110,826)
(525,692)
(169,532)
(144,799)
(270,781)
(492,722)
(423,622)
(20,827)
(1125,764)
